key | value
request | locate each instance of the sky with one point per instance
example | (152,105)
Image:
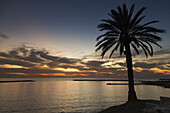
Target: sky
(58,37)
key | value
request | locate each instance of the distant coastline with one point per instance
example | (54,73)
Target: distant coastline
(17,81)
(99,80)
(162,82)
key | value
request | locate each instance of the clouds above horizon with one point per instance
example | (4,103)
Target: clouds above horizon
(30,62)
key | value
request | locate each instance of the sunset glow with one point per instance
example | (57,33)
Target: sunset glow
(53,74)
(55,41)
(17,73)
(67,69)
(157,70)
(11,66)
(138,69)
(84,56)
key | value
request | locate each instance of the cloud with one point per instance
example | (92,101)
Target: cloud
(145,65)
(16,62)
(30,62)
(23,53)
(162,52)
(2,35)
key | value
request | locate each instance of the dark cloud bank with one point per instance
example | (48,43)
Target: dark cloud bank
(30,62)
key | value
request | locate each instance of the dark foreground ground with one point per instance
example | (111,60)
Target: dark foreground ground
(130,107)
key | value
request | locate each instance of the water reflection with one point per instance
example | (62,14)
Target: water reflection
(68,96)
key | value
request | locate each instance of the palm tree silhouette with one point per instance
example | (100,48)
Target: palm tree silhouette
(124,31)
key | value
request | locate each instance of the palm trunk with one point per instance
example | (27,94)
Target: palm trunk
(131,94)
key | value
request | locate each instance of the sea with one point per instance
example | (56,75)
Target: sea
(63,95)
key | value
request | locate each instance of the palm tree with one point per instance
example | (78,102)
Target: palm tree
(124,31)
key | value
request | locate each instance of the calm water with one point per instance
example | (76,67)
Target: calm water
(56,95)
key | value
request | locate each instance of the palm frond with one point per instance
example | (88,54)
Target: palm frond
(107,34)
(139,20)
(105,26)
(149,36)
(115,15)
(135,48)
(121,50)
(104,39)
(145,47)
(152,30)
(151,48)
(135,40)
(105,44)
(113,23)
(136,16)
(150,41)
(105,49)
(151,22)
(146,54)
(115,49)
(101,45)
(131,12)
(124,28)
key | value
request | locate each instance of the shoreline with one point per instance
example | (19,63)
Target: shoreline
(162,83)
(17,81)
(165,84)
(98,80)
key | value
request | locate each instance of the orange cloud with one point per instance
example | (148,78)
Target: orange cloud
(17,73)
(106,72)
(53,74)
(157,70)
(138,69)
(11,66)
(67,69)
